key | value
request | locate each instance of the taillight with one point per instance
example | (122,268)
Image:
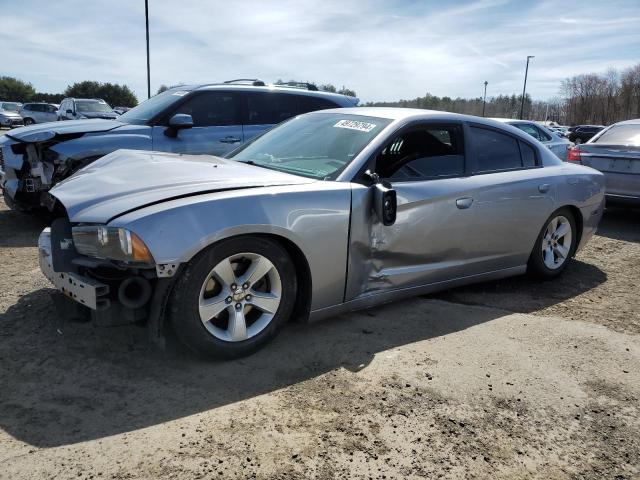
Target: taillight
(573,154)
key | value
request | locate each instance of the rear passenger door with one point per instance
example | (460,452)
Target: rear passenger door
(266,109)
(216,130)
(263,110)
(511,197)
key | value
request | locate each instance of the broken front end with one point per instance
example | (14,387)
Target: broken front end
(29,169)
(106,273)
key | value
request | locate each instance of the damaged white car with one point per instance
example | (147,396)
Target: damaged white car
(328,212)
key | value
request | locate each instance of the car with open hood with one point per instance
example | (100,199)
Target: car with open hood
(208,119)
(330,211)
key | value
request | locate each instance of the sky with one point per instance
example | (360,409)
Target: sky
(384,50)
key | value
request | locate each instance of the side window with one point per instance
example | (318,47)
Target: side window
(530,129)
(38,108)
(51,109)
(495,151)
(311,104)
(210,109)
(270,108)
(528,155)
(423,153)
(543,136)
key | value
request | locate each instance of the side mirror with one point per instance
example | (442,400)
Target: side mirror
(178,122)
(385,202)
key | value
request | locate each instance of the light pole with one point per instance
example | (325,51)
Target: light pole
(484,99)
(146,19)
(524,89)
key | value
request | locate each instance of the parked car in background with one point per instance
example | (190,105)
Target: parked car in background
(328,212)
(211,119)
(9,114)
(81,108)
(39,113)
(549,139)
(582,133)
(615,151)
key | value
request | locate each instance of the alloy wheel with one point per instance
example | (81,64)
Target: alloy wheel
(556,243)
(240,297)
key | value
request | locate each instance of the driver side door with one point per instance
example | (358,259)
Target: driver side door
(426,165)
(217,128)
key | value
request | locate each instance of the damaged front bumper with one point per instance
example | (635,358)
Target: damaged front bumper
(108,295)
(84,290)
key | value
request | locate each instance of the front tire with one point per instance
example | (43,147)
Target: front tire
(29,121)
(556,244)
(233,297)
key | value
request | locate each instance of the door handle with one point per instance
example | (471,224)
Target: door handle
(544,188)
(464,202)
(230,140)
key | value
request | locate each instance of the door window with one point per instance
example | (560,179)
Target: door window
(270,108)
(210,109)
(495,151)
(530,129)
(427,152)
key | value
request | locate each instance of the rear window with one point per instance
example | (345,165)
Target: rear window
(495,151)
(621,135)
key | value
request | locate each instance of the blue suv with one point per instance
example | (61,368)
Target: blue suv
(206,119)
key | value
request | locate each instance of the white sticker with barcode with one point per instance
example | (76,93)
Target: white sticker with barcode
(356,125)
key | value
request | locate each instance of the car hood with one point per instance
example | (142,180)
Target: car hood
(35,132)
(127,180)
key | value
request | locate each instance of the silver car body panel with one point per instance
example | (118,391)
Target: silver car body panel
(620,164)
(354,260)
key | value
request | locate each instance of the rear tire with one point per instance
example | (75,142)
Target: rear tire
(226,313)
(555,246)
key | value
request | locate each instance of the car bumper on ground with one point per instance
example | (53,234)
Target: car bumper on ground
(86,291)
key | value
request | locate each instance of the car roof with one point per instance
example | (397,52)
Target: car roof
(633,121)
(399,113)
(338,98)
(514,120)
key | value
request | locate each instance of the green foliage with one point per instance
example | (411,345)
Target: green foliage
(114,94)
(14,90)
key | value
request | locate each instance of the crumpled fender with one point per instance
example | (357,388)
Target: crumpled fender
(99,145)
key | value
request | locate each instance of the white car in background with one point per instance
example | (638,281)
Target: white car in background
(552,140)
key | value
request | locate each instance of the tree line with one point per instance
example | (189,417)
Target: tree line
(15,90)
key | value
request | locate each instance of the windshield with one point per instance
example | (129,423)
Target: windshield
(83,106)
(148,109)
(621,135)
(317,145)
(10,107)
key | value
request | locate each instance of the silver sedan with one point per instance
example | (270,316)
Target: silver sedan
(554,141)
(329,212)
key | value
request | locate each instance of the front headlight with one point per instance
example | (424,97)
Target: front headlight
(110,243)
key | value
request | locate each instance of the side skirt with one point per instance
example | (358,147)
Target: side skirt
(378,298)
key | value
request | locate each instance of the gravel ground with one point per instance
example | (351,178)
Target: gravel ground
(509,379)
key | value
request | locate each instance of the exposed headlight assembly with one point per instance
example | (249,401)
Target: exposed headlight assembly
(111,243)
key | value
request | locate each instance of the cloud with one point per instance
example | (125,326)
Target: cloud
(382,49)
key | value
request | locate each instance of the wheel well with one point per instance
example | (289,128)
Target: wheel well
(577,214)
(302,306)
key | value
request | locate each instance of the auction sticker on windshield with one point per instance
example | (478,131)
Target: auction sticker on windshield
(355,125)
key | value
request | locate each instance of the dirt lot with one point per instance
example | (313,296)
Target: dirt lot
(510,379)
